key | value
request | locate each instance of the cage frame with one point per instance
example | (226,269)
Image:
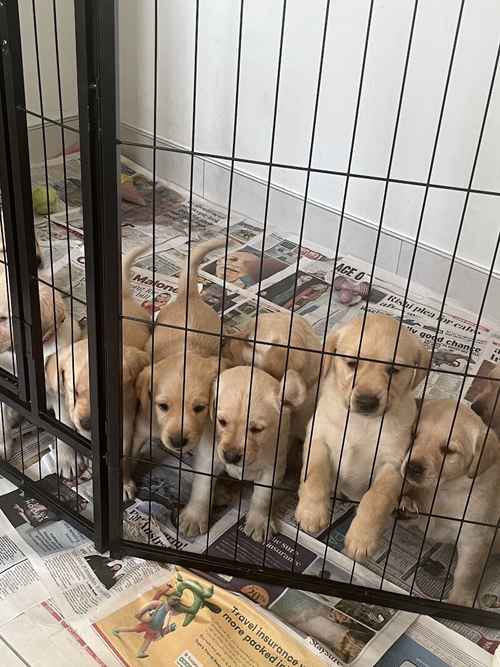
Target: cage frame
(96,33)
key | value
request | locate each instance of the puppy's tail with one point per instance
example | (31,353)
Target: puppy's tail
(128,262)
(191,271)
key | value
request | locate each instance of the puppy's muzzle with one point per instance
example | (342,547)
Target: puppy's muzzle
(233,456)
(178,441)
(415,471)
(367,404)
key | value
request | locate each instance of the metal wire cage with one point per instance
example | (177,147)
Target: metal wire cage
(165,475)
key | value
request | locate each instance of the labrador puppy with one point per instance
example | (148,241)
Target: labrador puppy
(342,442)
(73,385)
(259,454)
(273,332)
(487,404)
(57,332)
(67,376)
(460,459)
(174,393)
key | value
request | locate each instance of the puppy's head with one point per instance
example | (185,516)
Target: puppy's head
(461,449)
(180,399)
(268,398)
(273,329)
(73,382)
(369,395)
(68,374)
(487,403)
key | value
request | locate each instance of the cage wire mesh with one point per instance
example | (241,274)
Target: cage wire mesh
(249,401)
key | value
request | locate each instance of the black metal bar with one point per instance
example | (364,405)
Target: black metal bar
(11,267)
(314,584)
(97,86)
(23,232)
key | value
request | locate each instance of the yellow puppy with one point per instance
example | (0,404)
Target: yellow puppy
(367,401)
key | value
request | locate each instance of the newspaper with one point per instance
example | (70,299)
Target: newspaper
(269,273)
(44,557)
(209,625)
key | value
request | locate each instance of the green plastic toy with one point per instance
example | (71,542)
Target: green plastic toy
(40,200)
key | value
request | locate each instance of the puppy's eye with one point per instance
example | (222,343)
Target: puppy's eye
(3,319)
(199,407)
(222,422)
(163,407)
(256,429)
(63,379)
(352,364)
(392,370)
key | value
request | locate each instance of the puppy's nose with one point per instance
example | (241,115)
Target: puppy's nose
(367,403)
(86,423)
(232,456)
(414,470)
(178,441)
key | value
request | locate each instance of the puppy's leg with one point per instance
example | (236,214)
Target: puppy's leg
(131,449)
(70,463)
(9,419)
(312,511)
(473,548)
(373,513)
(195,517)
(258,517)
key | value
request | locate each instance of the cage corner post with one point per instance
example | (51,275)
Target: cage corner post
(96,27)
(18,214)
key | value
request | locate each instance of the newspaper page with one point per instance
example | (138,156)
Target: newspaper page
(45,557)
(197,623)
(340,631)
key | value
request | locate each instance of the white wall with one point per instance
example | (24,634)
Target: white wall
(435,25)
(47,58)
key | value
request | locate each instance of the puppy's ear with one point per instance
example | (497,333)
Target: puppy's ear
(52,311)
(422,359)
(331,348)
(143,386)
(134,360)
(295,391)
(486,450)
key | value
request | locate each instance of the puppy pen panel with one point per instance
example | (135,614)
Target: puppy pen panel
(298,206)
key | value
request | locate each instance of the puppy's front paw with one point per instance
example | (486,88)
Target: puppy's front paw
(70,464)
(129,489)
(256,526)
(362,540)
(461,596)
(312,517)
(193,521)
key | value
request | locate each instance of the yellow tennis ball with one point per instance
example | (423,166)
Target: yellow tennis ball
(40,204)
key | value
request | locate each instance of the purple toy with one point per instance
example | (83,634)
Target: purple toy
(348,292)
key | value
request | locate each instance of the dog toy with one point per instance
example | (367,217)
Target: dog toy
(45,200)
(349,292)
(129,192)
